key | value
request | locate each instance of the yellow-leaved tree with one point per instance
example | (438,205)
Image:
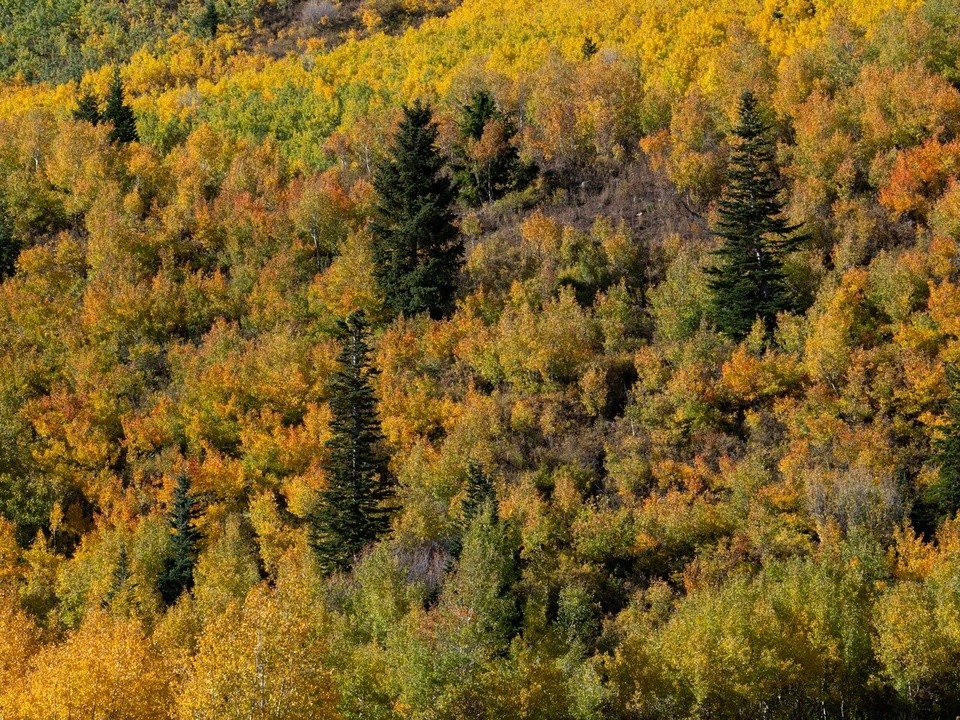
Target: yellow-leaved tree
(107,670)
(18,642)
(264,660)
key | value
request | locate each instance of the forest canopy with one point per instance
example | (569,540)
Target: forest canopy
(418,359)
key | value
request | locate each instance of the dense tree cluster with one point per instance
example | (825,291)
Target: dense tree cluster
(317,401)
(487,163)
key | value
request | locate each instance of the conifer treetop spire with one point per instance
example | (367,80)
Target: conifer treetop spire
(119,113)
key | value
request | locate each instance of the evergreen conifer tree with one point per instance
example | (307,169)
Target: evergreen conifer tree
(487,164)
(88,109)
(748,280)
(177,574)
(9,246)
(119,114)
(353,510)
(121,575)
(480,110)
(482,584)
(417,251)
(945,493)
(479,491)
(480,497)
(210,19)
(589,48)
(121,571)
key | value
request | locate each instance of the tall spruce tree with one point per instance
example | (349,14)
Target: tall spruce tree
(354,508)
(209,20)
(480,498)
(479,491)
(120,581)
(417,251)
(487,164)
(9,245)
(177,574)
(119,114)
(748,280)
(945,493)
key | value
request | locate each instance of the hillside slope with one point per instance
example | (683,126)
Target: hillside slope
(605,507)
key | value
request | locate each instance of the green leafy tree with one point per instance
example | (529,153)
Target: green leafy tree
(748,280)
(88,109)
(417,251)
(487,164)
(177,575)
(119,113)
(447,658)
(121,571)
(353,510)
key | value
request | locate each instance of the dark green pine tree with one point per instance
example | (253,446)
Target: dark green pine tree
(589,48)
(210,20)
(475,114)
(748,279)
(479,492)
(9,245)
(480,497)
(177,574)
(945,493)
(88,109)
(354,509)
(417,251)
(496,169)
(121,575)
(119,114)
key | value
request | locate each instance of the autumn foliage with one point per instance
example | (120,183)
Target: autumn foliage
(596,502)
